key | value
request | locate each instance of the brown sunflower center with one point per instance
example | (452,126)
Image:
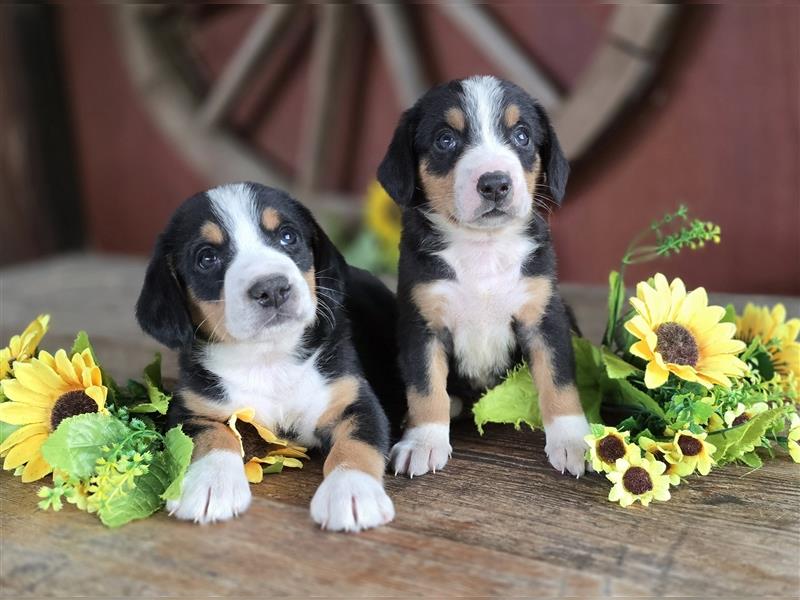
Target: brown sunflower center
(742,418)
(690,446)
(610,448)
(676,344)
(253,444)
(69,405)
(659,456)
(637,481)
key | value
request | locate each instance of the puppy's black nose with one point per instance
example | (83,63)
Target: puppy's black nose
(270,291)
(494,186)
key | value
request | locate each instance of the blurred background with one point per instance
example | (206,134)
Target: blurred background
(111,115)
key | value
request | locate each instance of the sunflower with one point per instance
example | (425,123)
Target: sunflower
(794,438)
(778,335)
(679,333)
(607,447)
(259,446)
(742,414)
(383,217)
(639,479)
(666,453)
(693,452)
(44,392)
(22,347)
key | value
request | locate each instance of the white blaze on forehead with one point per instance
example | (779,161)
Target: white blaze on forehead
(483,104)
(235,207)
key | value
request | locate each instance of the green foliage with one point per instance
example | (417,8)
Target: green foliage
(616,303)
(82,343)
(178,454)
(76,445)
(737,443)
(158,400)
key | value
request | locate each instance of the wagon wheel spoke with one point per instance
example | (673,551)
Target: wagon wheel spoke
(323,93)
(260,38)
(400,50)
(497,44)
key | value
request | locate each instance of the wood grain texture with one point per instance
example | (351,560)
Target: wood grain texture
(497,521)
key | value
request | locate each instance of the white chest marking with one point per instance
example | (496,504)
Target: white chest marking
(478,306)
(285,392)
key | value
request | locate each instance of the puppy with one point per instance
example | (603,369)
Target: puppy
(469,164)
(255,297)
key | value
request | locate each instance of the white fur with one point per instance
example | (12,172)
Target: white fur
(349,500)
(215,489)
(487,291)
(565,446)
(422,449)
(254,259)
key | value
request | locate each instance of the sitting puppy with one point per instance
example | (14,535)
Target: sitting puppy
(245,284)
(477,276)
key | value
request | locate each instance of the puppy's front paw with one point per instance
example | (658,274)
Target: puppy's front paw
(350,500)
(422,449)
(215,489)
(565,446)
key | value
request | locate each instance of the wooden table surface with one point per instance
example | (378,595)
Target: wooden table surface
(497,521)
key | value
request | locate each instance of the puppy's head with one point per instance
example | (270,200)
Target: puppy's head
(479,149)
(237,263)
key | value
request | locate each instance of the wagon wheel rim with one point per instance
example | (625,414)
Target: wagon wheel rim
(193,119)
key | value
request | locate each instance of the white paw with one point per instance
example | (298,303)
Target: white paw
(422,449)
(350,500)
(565,446)
(215,489)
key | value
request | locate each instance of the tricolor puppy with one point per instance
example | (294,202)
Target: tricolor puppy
(266,314)
(469,164)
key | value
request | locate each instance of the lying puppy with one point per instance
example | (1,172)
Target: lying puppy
(477,276)
(248,288)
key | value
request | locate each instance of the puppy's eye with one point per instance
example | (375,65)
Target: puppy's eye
(288,236)
(445,141)
(207,258)
(521,137)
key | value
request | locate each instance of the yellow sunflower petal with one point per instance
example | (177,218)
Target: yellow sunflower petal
(254,472)
(655,375)
(14,390)
(24,451)
(66,369)
(22,434)
(36,469)
(40,378)
(642,350)
(638,326)
(98,393)
(15,413)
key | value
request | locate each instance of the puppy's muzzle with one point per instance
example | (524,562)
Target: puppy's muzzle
(271,292)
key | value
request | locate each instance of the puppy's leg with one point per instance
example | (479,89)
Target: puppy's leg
(426,442)
(355,432)
(215,487)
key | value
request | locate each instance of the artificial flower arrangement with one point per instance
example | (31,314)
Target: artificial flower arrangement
(676,386)
(107,447)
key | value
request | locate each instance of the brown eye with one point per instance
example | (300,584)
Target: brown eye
(288,236)
(207,258)
(521,137)
(445,141)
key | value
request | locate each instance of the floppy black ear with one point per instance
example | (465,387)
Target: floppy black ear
(161,309)
(397,172)
(329,267)
(554,163)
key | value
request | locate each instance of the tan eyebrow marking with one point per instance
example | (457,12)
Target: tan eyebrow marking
(511,116)
(270,219)
(455,118)
(212,232)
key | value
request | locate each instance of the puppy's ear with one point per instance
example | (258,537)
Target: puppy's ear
(329,267)
(397,172)
(554,163)
(161,309)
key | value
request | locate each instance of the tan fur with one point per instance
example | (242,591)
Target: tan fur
(532,176)
(440,190)
(211,232)
(511,116)
(209,317)
(311,281)
(455,118)
(429,304)
(344,391)
(270,219)
(538,291)
(433,407)
(213,436)
(554,401)
(350,453)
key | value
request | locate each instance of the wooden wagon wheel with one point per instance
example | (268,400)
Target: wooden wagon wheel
(192,113)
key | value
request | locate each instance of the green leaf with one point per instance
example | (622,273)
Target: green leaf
(616,300)
(158,399)
(597,429)
(178,453)
(273,468)
(76,445)
(589,377)
(152,372)
(82,343)
(702,411)
(634,397)
(141,501)
(734,443)
(730,314)
(751,459)
(6,430)
(616,368)
(764,365)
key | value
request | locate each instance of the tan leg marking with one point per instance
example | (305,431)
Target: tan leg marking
(198,406)
(455,118)
(350,453)
(209,317)
(511,115)
(431,306)
(270,219)
(211,232)
(538,291)
(214,436)
(344,391)
(440,190)
(554,401)
(433,407)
